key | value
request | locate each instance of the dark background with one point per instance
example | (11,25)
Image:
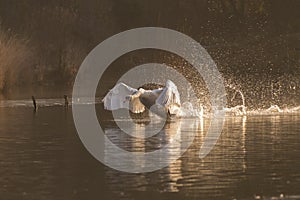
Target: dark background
(255,44)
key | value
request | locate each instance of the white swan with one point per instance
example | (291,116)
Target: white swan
(163,101)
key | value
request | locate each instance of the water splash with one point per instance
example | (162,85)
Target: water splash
(239,109)
(188,110)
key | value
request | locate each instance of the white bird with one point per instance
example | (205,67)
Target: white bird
(163,101)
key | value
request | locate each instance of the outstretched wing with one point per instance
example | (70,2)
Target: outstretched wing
(116,99)
(169,98)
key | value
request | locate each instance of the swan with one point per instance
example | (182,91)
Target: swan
(162,101)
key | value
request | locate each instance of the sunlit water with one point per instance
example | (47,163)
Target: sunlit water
(41,157)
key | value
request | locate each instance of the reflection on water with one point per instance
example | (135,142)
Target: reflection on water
(148,154)
(41,157)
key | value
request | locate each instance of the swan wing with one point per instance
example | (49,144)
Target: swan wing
(169,98)
(116,97)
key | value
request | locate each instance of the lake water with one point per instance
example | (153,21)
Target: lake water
(42,157)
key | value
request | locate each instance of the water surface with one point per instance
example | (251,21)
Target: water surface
(41,157)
